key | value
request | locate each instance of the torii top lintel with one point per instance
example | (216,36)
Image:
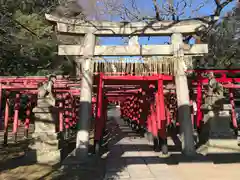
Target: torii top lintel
(77,26)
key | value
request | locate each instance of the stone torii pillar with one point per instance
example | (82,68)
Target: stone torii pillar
(182,91)
(82,140)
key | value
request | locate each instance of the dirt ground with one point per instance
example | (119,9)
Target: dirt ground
(13,165)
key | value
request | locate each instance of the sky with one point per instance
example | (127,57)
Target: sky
(195,8)
(147,8)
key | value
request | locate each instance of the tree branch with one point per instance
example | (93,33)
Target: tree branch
(220,6)
(18,23)
(157,10)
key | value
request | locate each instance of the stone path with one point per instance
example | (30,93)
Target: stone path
(131,158)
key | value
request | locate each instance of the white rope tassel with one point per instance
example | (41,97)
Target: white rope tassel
(114,69)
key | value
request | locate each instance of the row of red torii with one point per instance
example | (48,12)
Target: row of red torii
(135,94)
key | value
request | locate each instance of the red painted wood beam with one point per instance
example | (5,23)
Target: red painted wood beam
(215,70)
(139,78)
(221,80)
(231,86)
(124,91)
(29,86)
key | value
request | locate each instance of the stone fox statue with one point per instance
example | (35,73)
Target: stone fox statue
(46,89)
(215,90)
(214,87)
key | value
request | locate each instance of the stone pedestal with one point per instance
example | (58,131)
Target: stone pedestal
(220,125)
(221,138)
(45,148)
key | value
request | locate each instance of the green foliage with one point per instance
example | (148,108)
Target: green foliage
(224,43)
(28,43)
(28,6)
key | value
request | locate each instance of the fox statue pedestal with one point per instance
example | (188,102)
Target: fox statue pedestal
(45,148)
(216,135)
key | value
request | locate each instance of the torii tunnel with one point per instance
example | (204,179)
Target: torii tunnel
(147,103)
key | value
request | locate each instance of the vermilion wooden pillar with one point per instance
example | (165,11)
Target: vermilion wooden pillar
(16,114)
(99,111)
(161,117)
(234,119)
(1,117)
(6,116)
(199,100)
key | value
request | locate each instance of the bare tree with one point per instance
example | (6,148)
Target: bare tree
(218,10)
(157,10)
(131,10)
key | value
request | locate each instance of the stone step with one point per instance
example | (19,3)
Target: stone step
(220,146)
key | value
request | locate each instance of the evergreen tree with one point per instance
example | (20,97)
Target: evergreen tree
(28,42)
(225,40)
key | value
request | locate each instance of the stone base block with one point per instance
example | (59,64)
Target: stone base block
(45,136)
(45,141)
(220,126)
(44,157)
(46,145)
(46,102)
(215,146)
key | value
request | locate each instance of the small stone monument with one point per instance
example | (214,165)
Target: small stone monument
(216,134)
(45,147)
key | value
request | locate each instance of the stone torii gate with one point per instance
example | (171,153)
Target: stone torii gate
(84,54)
